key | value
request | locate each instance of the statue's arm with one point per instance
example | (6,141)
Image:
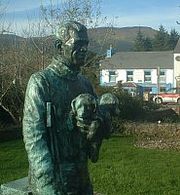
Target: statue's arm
(35,136)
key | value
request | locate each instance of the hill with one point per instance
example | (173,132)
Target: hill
(101,38)
(9,40)
(121,39)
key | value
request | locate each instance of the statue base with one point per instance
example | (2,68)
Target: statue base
(18,187)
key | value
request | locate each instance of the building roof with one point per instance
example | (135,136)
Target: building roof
(139,60)
(177,48)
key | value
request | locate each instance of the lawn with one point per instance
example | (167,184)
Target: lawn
(125,169)
(13,161)
(121,169)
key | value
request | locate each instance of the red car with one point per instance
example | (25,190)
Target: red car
(170,96)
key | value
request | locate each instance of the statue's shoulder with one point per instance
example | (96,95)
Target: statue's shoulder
(42,75)
(40,79)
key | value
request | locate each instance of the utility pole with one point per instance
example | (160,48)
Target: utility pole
(158,79)
(177,84)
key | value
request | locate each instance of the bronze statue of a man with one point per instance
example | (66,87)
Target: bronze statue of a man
(57,161)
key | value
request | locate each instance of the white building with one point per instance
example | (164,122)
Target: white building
(177,64)
(143,68)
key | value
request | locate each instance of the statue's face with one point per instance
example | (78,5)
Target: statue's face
(75,49)
(84,109)
(110,103)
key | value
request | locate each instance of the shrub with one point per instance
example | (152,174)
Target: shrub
(131,108)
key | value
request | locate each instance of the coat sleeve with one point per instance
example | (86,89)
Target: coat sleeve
(36,138)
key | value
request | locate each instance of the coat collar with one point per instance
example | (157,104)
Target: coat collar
(61,67)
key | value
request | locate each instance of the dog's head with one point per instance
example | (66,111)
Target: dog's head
(110,103)
(84,106)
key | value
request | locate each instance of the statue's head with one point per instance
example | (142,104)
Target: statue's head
(72,42)
(84,106)
(110,103)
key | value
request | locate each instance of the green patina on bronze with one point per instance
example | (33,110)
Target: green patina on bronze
(57,147)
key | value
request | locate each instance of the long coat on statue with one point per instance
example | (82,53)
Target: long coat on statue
(58,163)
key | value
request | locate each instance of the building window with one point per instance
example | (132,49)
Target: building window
(112,76)
(162,89)
(147,76)
(148,89)
(162,76)
(129,74)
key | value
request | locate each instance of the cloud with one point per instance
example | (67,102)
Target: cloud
(152,16)
(118,13)
(153,21)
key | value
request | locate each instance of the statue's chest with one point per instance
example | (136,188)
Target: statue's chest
(63,92)
(69,140)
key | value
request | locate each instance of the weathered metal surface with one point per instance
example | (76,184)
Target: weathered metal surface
(57,150)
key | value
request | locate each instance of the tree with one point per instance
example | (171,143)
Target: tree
(86,12)
(8,72)
(147,44)
(173,39)
(35,51)
(160,42)
(139,42)
(142,43)
(2,11)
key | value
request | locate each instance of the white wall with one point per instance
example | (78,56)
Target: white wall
(176,66)
(138,75)
(169,76)
(121,75)
(104,76)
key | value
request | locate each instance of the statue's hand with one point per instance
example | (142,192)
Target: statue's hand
(94,129)
(95,137)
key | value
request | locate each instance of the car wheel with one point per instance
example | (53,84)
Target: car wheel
(158,100)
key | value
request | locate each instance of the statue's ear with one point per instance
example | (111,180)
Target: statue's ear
(73,103)
(95,104)
(95,107)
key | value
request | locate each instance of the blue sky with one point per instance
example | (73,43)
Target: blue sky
(120,13)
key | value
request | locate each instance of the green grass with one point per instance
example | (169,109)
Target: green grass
(13,161)
(121,169)
(124,169)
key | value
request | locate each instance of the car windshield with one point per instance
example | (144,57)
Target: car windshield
(173,90)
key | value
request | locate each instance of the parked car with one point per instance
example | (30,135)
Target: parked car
(132,88)
(170,96)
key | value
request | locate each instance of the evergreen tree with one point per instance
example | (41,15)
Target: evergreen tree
(147,44)
(142,43)
(173,39)
(161,39)
(139,42)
